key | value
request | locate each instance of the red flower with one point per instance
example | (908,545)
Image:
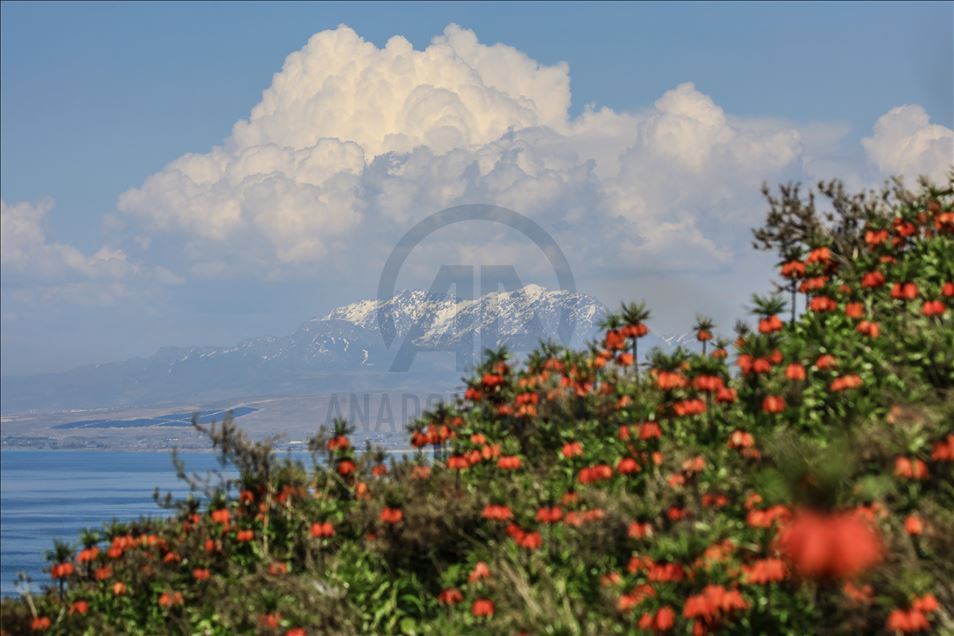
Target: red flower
(40,623)
(510,462)
(529,540)
(79,607)
(765,571)
(391,515)
(836,545)
(947,290)
(795,372)
(450,596)
(726,396)
(868,328)
(482,607)
(497,513)
(904,291)
(170,599)
(296,631)
(457,462)
(770,324)
(793,269)
(713,603)
(819,255)
(346,467)
(549,515)
(322,529)
(665,619)
(218,516)
(826,361)
(773,404)
(572,449)
(88,555)
(913,525)
(933,308)
(850,381)
(907,621)
(480,571)
(669,380)
(854,310)
(627,465)
(201,574)
(595,473)
(639,530)
(943,450)
(244,536)
(910,468)
(62,570)
(649,430)
(872,279)
(821,304)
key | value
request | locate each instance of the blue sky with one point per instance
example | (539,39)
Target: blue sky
(97,97)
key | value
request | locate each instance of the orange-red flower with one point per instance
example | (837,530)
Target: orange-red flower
(480,571)
(913,525)
(933,308)
(595,473)
(765,571)
(837,545)
(549,514)
(904,291)
(572,449)
(820,304)
(510,462)
(450,596)
(170,599)
(943,450)
(41,623)
(872,280)
(907,621)
(79,607)
(868,328)
(773,404)
(201,574)
(713,603)
(855,310)
(669,380)
(910,468)
(391,515)
(244,536)
(627,466)
(845,382)
(482,607)
(62,570)
(496,512)
(793,269)
(770,324)
(795,372)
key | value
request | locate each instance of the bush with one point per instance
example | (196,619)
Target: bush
(807,488)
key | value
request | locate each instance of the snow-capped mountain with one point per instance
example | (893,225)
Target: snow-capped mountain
(518,319)
(342,350)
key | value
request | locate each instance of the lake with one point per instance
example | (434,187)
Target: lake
(46,495)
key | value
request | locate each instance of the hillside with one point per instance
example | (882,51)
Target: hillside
(796,480)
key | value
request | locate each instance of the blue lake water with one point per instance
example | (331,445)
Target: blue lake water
(46,495)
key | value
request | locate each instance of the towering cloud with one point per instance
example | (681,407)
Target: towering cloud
(906,142)
(351,139)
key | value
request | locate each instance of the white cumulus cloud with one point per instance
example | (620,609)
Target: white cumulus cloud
(906,143)
(26,250)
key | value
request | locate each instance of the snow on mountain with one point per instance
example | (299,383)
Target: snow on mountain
(519,318)
(342,349)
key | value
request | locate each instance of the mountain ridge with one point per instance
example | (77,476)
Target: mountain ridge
(337,350)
